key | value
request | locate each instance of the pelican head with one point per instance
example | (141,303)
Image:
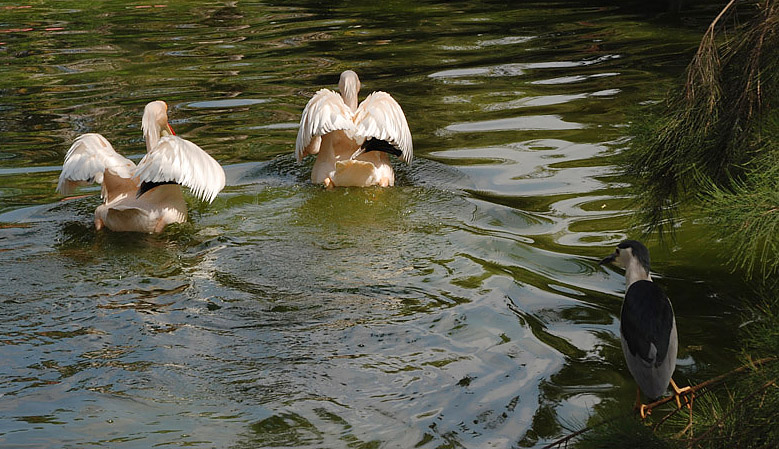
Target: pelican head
(155,123)
(349,86)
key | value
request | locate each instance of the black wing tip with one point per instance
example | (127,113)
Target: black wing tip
(374,144)
(146,186)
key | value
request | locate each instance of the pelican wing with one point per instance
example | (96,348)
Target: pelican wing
(380,117)
(90,156)
(325,112)
(178,160)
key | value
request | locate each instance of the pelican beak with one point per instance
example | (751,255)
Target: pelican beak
(608,259)
(170,128)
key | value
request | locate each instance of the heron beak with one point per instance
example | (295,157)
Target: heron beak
(170,128)
(610,258)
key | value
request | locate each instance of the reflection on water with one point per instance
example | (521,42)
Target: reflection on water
(464,307)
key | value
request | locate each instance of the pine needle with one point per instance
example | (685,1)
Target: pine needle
(710,130)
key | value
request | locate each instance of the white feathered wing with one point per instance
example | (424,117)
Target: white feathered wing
(379,116)
(87,161)
(324,113)
(178,160)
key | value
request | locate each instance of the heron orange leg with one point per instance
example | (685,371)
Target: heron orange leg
(679,392)
(642,410)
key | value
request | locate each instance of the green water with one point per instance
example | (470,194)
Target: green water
(462,308)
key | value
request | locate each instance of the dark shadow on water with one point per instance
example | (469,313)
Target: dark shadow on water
(292,430)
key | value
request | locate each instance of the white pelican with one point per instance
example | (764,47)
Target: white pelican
(352,142)
(647,326)
(147,197)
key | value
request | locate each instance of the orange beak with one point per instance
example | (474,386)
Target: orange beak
(170,128)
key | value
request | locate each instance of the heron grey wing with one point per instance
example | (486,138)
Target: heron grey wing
(647,319)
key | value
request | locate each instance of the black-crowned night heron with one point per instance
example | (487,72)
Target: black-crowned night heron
(647,326)
(352,142)
(146,197)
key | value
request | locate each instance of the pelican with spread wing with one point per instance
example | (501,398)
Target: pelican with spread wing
(352,143)
(146,197)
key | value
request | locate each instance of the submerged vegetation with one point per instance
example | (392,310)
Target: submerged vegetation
(711,153)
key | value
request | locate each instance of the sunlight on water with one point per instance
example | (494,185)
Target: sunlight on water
(462,308)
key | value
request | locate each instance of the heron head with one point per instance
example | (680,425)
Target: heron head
(155,123)
(627,251)
(349,86)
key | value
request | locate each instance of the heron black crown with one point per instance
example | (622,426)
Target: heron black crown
(640,252)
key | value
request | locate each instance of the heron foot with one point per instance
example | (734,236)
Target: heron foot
(689,397)
(644,411)
(641,408)
(685,392)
